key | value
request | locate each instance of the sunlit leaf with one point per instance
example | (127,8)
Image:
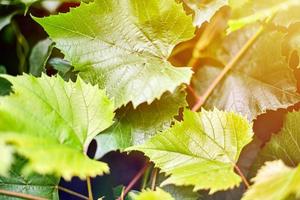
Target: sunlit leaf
(52,122)
(275,181)
(205,146)
(131,61)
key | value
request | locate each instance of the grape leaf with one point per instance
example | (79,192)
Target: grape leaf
(135,126)
(36,185)
(285,145)
(204,11)
(275,181)
(130,61)
(52,122)
(261,80)
(261,10)
(205,146)
(158,194)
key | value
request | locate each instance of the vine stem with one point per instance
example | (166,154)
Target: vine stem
(133,182)
(154,177)
(238,170)
(89,188)
(232,62)
(21,195)
(72,192)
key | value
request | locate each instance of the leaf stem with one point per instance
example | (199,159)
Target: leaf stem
(72,192)
(238,170)
(201,100)
(154,177)
(89,188)
(133,181)
(20,195)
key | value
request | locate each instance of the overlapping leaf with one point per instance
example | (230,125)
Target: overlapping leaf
(51,122)
(275,181)
(135,126)
(205,146)
(285,145)
(36,185)
(260,80)
(124,45)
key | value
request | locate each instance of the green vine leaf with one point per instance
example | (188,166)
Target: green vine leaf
(131,61)
(36,185)
(158,194)
(55,135)
(275,181)
(251,87)
(135,126)
(284,146)
(205,146)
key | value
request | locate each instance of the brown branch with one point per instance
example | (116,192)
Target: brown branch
(133,181)
(238,170)
(228,67)
(21,195)
(72,192)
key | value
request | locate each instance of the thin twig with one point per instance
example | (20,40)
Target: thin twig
(89,187)
(134,181)
(21,195)
(154,176)
(72,192)
(213,85)
(238,170)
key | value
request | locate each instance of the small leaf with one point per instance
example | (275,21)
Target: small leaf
(39,57)
(205,146)
(135,126)
(275,181)
(52,122)
(158,194)
(203,12)
(132,60)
